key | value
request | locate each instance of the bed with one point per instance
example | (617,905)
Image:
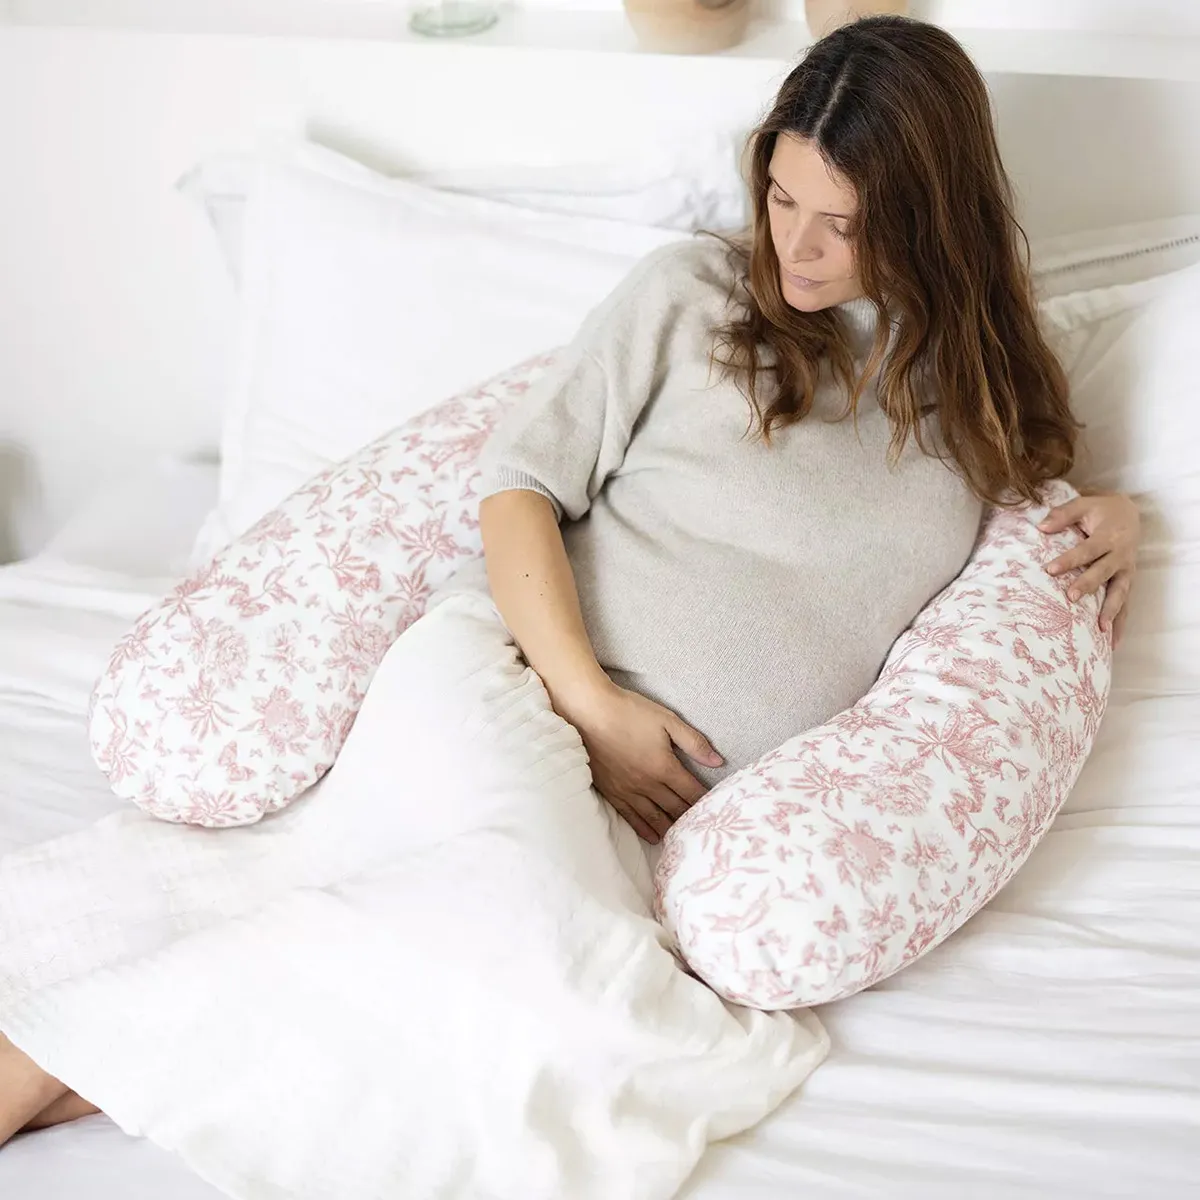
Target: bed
(1050,1049)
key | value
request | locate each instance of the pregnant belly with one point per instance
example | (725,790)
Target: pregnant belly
(753,651)
(749,682)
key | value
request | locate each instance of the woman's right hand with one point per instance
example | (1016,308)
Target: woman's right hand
(630,742)
(629,738)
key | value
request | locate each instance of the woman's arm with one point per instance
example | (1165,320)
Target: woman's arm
(534,588)
(629,738)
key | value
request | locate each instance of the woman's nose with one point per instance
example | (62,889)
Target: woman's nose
(802,245)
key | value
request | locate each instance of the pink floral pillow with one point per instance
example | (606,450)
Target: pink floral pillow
(234,695)
(856,847)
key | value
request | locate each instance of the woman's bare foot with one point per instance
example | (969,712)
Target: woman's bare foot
(25,1089)
(68,1107)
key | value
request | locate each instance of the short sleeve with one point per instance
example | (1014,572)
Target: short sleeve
(570,433)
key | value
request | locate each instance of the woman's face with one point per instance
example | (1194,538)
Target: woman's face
(810,209)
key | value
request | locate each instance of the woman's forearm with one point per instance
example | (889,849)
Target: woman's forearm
(533,586)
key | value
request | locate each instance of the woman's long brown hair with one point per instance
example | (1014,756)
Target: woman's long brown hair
(898,109)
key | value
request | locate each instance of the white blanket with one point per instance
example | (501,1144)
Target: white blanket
(434,976)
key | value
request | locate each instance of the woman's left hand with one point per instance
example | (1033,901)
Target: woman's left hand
(1111,526)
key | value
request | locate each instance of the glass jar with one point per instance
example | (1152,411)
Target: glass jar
(454,18)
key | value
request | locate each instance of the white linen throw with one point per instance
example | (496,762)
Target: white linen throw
(435,976)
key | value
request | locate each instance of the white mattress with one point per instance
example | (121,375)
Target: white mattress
(1052,1049)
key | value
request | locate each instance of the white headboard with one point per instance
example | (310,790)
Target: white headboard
(116,318)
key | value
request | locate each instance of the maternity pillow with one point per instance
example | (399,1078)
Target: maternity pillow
(834,861)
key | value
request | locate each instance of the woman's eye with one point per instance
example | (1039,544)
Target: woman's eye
(781,200)
(838,231)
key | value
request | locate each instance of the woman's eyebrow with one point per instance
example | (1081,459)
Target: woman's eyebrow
(837,216)
(777,184)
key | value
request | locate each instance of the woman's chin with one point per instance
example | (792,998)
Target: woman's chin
(807,299)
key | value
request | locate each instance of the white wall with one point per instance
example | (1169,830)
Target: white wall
(115,314)
(1159,16)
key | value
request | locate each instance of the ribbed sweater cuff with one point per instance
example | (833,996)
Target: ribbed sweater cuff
(502,479)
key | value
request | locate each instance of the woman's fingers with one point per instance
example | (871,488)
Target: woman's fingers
(1115,598)
(652,815)
(693,743)
(635,766)
(1096,576)
(1119,627)
(681,781)
(634,819)
(1078,556)
(1064,516)
(667,799)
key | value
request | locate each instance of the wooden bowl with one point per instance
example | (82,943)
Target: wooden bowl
(688,26)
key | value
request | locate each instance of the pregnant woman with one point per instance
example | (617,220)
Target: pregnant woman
(756,463)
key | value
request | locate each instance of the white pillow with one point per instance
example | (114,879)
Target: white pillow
(140,525)
(339,259)
(366,298)
(1099,258)
(693,183)
(1130,354)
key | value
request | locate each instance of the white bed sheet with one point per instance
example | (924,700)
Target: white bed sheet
(1052,1049)
(60,614)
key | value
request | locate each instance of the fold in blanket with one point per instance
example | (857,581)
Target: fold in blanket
(435,975)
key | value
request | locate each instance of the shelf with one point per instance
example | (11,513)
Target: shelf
(773,42)
(1069,52)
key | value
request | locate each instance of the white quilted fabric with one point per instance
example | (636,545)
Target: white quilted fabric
(434,977)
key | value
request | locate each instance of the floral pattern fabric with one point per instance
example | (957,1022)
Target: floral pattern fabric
(233,696)
(856,847)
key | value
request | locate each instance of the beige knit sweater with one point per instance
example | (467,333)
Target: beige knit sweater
(754,589)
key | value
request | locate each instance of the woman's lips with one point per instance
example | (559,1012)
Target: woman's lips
(800,281)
